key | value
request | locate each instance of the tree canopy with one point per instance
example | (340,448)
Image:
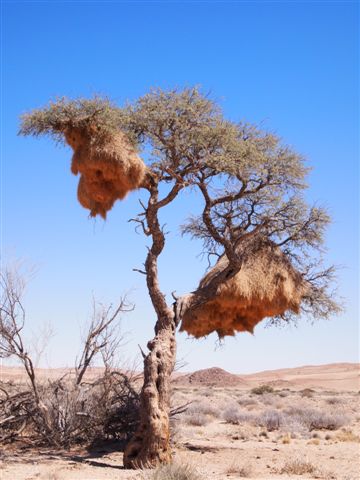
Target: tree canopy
(251,184)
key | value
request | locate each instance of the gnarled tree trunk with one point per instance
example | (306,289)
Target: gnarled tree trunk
(150,445)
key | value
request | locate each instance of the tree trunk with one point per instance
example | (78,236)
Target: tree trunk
(150,445)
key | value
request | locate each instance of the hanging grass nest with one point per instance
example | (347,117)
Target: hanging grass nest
(108,169)
(104,156)
(267,285)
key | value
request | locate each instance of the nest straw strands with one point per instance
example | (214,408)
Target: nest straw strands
(267,285)
(108,169)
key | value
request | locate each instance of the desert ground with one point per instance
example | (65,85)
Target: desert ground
(301,423)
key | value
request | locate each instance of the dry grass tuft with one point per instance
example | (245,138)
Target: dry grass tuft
(297,466)
(347,436)
(242,471)
(174,472)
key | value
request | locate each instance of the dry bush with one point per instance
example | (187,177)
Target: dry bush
(68,410)
(196,419)
(298,466)
(268,399)
(271,420)
(204,408)
(234,416)
(261,389)
(174,472)
(316,419)
(247,402)
(307,392)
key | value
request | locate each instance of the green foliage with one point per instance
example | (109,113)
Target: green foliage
(97,114)
(250,182)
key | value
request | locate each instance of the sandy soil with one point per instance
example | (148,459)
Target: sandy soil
(229,432)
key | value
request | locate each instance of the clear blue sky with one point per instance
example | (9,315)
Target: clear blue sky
(293,66)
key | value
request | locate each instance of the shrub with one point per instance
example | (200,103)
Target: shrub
(316,419)
(307,392)
(298,467)
(247,402)
(204,408)
(261,389)
(271,420)
(90,412)
(268,399)
(234,416)
(326,421)
(196,419)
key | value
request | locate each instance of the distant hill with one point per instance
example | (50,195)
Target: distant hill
(336,376)
(211,377)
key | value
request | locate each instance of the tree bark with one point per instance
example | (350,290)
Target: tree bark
(150,445)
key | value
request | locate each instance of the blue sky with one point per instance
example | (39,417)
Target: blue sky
(291,66)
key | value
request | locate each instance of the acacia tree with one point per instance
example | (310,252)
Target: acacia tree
(251,187)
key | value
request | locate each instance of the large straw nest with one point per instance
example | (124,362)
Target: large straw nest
(109,168)
(267,285)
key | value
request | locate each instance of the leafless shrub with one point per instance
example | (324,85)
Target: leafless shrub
(204,408)
(196,419)
(268,399)
(67,410)
(294,427)
(271,420)
(234,416)
(247,402)
(316,419)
